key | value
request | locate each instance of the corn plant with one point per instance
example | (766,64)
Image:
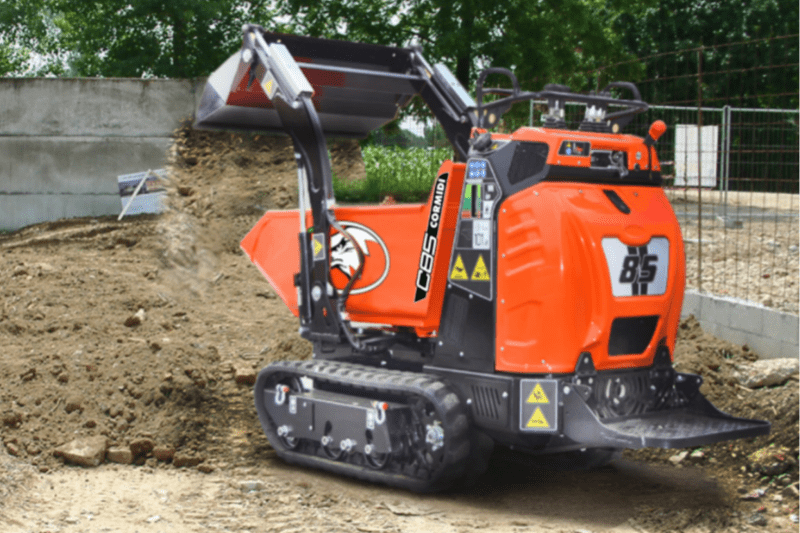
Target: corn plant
(406,174)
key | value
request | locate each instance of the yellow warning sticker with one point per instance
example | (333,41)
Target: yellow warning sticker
(318,246)
(538,395)
(538,420)
(538,405)
(459,272)
(480,273)
(268,87)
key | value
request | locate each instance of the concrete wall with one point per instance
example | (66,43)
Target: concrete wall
(771,334)
(64,141)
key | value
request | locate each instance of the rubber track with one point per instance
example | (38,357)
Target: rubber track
(369,381)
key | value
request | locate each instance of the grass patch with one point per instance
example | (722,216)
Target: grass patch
(406,174)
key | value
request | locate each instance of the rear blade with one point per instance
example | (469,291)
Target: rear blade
(697,424)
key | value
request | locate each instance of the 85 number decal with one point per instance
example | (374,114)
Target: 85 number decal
(637,270)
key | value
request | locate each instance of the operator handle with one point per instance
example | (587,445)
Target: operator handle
(624,85)
(479,92)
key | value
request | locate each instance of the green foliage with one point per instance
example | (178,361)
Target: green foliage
(393,134)
(542,41)
(743,63)
(119,38)
(406,174)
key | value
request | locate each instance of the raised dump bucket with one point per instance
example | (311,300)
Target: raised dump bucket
(357,87)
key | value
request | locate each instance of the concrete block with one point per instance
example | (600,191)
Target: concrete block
(714,310)
(788,349)
(749,318)
(731,335)
(765,347)
(75,165)
(102,107)
(18,211)
(781,326)
(710,327)
(691,305)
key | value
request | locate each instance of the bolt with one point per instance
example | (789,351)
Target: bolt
(505,395)
(469,401)
(461,354)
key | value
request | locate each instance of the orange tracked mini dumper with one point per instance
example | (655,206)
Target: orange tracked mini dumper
(532,303)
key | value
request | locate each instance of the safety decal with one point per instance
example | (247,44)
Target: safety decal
(459,272)
(538,420)
(538,395)
(269,85)
(318,246)
(538,405)
(480,273)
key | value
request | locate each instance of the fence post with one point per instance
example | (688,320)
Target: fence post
(726,159)
(699,169)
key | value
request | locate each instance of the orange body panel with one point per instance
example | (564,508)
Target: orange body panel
(554,293)
(385,293)
(630,144)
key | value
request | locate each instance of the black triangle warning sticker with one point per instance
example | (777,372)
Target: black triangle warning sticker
(538,420)
(538,395)
(480,273)
(459,272)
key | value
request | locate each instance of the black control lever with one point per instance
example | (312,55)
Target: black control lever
(484,115)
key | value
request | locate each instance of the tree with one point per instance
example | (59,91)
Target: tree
(744,60)
(151,38)
(542,41)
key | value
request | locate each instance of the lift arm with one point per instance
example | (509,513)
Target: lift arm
(311,88)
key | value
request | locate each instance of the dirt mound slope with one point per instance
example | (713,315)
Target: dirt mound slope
(148,331)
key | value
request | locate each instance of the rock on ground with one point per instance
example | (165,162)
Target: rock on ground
(87,451)
(768,372)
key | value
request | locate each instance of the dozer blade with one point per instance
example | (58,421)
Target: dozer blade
(357,87)
(697,423)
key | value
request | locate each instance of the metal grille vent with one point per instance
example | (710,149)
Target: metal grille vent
(487,402)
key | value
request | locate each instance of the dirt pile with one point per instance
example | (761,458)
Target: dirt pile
(148,332)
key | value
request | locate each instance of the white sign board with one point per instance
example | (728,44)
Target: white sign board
(149,198)
(686,155)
